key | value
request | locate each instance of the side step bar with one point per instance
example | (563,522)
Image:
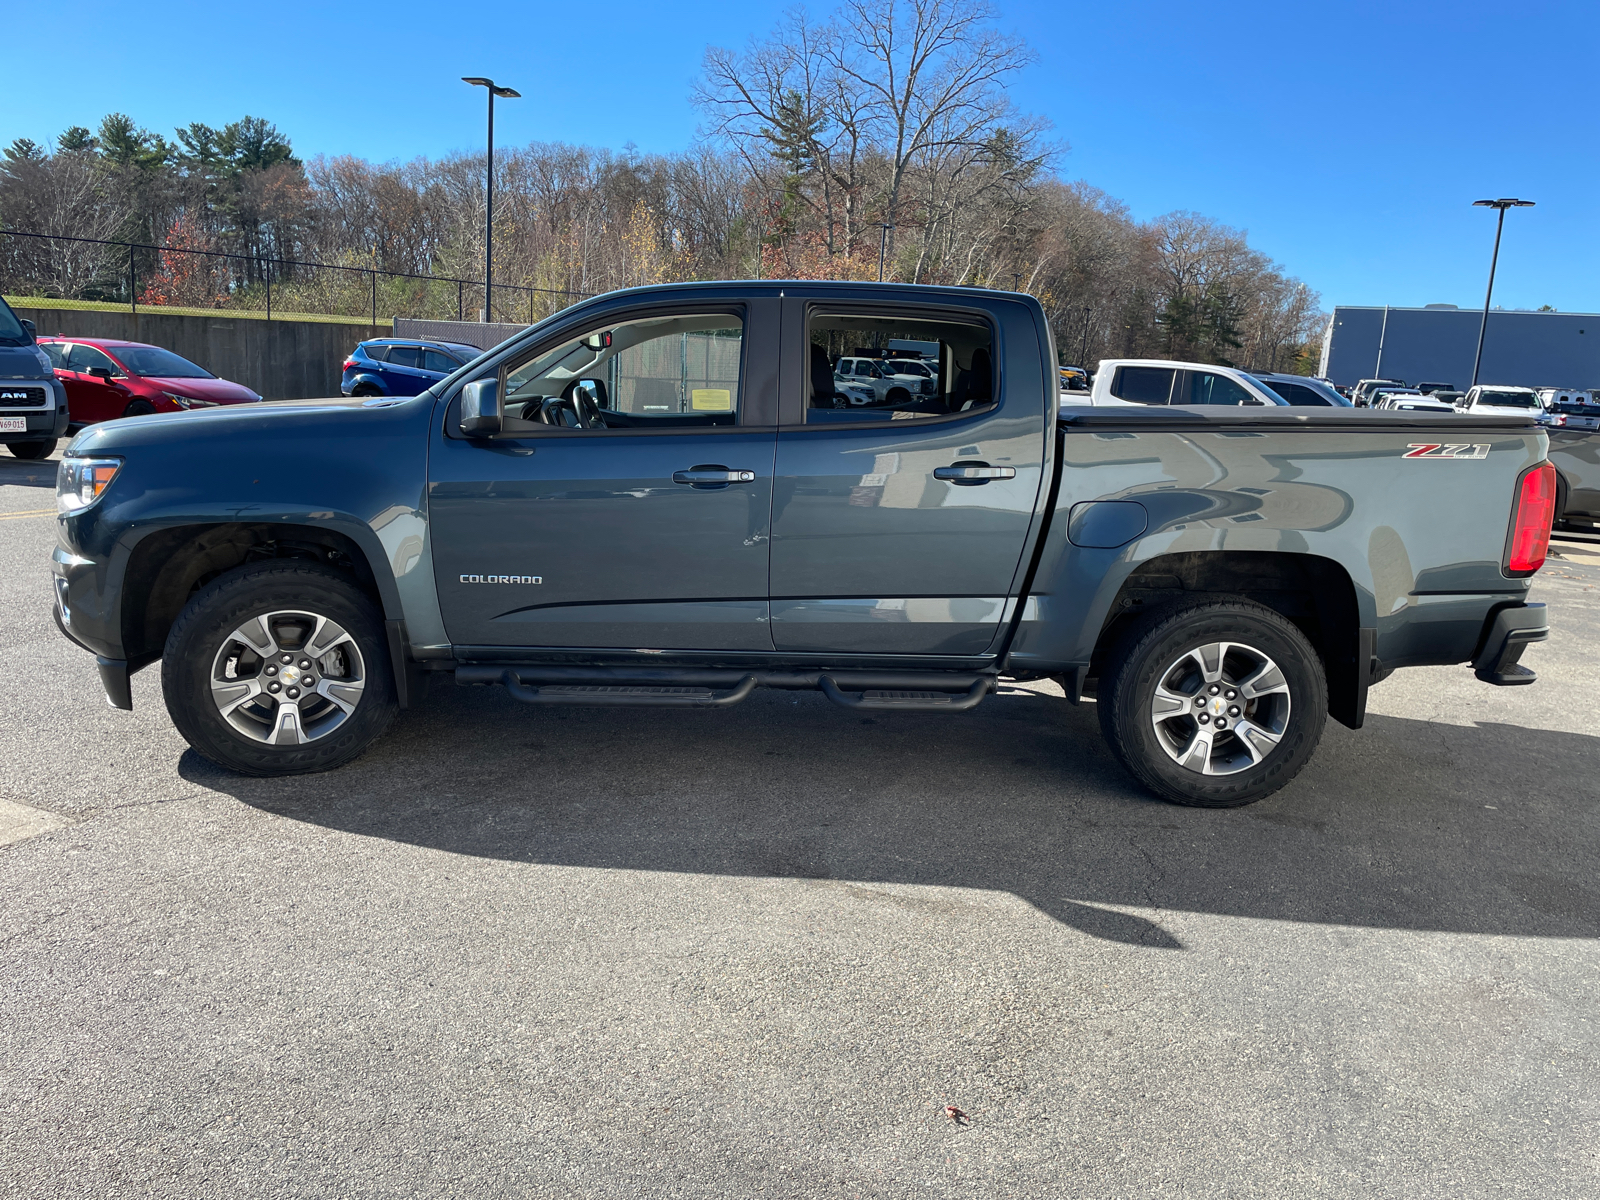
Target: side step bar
(691,687)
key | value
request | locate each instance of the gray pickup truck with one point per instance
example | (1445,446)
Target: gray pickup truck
(653,498)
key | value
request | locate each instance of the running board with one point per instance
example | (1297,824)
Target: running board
(883,699)
(626,696)
(695,687)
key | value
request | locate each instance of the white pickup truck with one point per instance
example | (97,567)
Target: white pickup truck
(1488,400)
(1124,381)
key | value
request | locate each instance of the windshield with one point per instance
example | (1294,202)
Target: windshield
(1509,399)
(11,331)
(160,364)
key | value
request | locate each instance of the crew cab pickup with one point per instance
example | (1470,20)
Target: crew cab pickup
(652,498)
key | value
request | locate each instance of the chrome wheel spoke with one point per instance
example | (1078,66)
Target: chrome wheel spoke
(325,637)
(1259,741)
(346,693)
(1264,682)
(1168,704)
(257,634)
(286,728)
(229,694)
(1197,754)
(1209,658)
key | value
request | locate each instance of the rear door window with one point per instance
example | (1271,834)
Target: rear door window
(1143,385)
(1204,387)
(56,352)
(405,356)
(962,376)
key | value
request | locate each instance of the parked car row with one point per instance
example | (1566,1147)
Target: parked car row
(1165,381)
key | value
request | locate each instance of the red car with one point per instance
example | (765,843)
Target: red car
(106,379)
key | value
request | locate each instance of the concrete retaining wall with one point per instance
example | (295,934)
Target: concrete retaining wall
(283,360)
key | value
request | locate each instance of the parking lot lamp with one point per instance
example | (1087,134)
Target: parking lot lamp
(1500,224)
(488,205)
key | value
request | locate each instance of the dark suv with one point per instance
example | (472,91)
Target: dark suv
(33,405)
(401,366)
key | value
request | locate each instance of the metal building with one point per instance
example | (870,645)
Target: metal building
(1437,344)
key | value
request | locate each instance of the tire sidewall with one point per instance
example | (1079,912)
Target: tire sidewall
(1147,659)
(228,602)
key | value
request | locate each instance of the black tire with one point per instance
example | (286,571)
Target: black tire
(205,631)
(364,389)
(33,451)
(897,396)
(1155,652)
(139,408)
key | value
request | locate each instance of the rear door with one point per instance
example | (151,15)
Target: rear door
(91,398)
(901,529)
(402,371)
(627,506)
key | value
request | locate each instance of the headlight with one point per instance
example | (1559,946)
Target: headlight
(188,401)
(82,481)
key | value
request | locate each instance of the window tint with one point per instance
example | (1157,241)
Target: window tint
(1202,387)
(433,360)
(661,372)
(56,352)
(80,358)
(961,378)
(376,353)
(405,356)
(1142,385)
(1299,395)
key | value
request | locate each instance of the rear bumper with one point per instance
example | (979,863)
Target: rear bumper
(1506,634)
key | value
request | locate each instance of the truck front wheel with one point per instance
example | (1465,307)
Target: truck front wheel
(279,669)
(1214,704)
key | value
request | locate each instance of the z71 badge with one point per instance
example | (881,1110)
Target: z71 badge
(1447,450)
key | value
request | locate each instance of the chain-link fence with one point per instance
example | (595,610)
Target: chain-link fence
(52,269)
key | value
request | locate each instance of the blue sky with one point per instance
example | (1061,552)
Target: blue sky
(1349,139)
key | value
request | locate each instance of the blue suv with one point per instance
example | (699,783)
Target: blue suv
(401,366)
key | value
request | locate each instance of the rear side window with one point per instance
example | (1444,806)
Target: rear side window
(56,353)
(1297,395)
(1202,387)
(961,377)
(405,356)
(1142,385)
(376,353)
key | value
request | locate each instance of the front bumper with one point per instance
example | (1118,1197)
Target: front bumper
(1506,634)
(43,423)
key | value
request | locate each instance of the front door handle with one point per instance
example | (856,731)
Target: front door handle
(971,474)
(714,475)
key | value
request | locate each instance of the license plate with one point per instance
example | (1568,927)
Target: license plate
(13,424)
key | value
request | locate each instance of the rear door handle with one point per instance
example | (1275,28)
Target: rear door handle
(971,473)
(712,475)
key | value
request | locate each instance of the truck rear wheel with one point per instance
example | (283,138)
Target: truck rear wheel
(279,669)
(1214,704)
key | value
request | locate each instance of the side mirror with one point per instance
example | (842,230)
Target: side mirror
(33,330)
(480,408)
(101,372)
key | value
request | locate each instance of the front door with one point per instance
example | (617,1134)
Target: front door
(626,505)
(91,398)
(900,527)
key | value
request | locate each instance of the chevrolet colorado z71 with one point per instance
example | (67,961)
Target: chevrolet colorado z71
(655,498)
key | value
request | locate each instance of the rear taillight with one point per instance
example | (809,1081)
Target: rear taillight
(1530,523)
(350,364)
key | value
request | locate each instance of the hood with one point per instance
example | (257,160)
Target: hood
(232,428)
(24,362)
(223,391)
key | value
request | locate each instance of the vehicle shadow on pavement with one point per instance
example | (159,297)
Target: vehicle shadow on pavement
(1406,824)
(16,472)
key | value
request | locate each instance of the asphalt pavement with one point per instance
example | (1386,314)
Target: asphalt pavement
(641,953)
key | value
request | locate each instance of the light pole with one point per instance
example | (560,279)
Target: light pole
(1500,224)
(883,242)
(488,218)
